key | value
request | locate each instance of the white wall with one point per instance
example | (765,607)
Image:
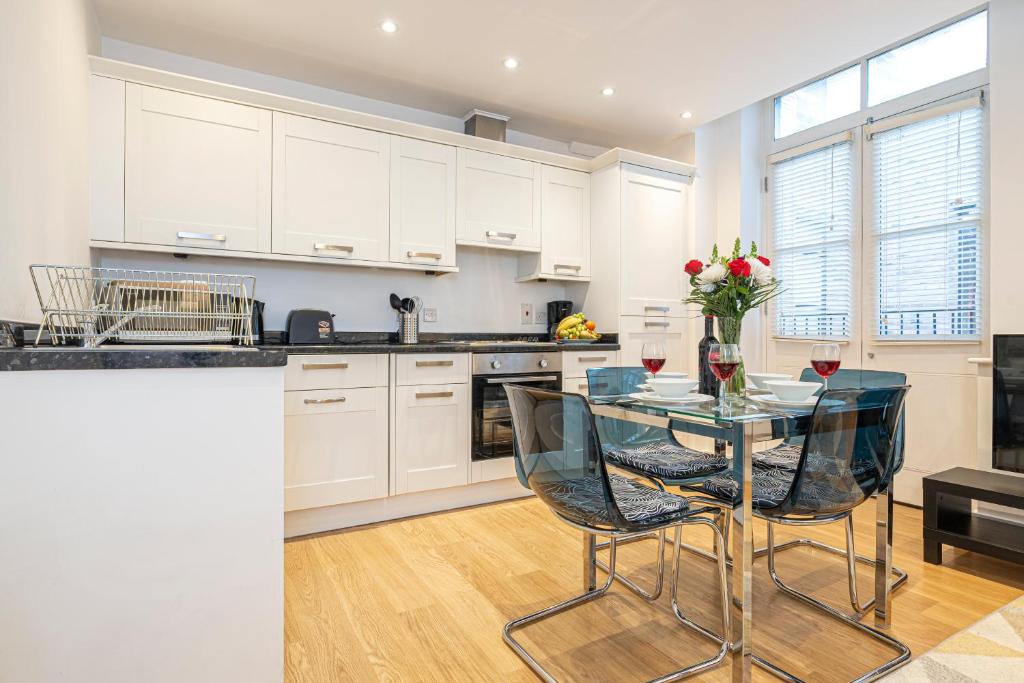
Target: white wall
(482,297)
(43,159)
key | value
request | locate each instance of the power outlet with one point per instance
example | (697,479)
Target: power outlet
(525,314)
(430,315)
(542,317)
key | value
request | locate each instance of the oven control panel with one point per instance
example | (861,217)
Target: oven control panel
(513,363)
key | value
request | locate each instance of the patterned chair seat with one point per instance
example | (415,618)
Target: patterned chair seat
(770,486)
(667,460)
(784,457)
(638,503)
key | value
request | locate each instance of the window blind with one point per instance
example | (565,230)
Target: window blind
(927,185)
(812,242)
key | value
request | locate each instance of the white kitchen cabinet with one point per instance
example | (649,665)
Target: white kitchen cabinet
(431,368)
(499,201)
(431,437)
(565,228)
(197,171)
(653,224)
(422,202)
(575,385)
(330,190)
(635,331)
(335,446)
(576,363)
(106,159)
(335,371)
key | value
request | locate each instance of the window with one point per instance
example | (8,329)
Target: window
(926,191)
(812,241)
(818,102)
(952,51)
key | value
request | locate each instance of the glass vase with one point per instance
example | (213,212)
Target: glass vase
(729,330)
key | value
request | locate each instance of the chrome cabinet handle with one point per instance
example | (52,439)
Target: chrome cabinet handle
(435,394)
(424,254)
(202,236)
(583,386)
(322,401)
(324,366)
(320,246)
(519,380)
(592,359)
(648,323)
(566,266)
(506,235)
(663,309)
(434,363)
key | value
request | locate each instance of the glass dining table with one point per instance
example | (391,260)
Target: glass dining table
(741,423)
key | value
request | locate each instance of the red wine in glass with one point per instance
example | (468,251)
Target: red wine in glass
(825,360)
(724,371)
(825,368)
(653,364)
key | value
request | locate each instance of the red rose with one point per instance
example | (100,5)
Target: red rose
(693,267)
(739,268)
(764,260)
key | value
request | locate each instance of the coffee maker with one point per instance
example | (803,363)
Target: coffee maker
(556,311)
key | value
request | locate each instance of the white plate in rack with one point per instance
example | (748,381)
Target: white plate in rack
(649,397)
(773,401)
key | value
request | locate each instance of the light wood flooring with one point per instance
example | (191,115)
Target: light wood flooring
(424,599)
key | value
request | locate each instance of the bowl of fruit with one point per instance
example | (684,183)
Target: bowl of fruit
(576,329)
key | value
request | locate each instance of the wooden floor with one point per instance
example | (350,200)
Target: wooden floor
(424,599)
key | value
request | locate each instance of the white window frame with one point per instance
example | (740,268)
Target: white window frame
(921,100)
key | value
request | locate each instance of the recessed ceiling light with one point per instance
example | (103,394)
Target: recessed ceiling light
(388,26)
(607,92)
(686,115)
(511,63)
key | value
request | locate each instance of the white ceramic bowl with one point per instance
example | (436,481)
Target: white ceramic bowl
(759,378)
(674,375)
(792,391)
(672,387)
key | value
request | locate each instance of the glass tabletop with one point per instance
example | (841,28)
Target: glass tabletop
(738,410)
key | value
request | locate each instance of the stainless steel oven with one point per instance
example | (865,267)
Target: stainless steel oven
(492,421)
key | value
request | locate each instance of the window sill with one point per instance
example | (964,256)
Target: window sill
(924,342)
(808,340)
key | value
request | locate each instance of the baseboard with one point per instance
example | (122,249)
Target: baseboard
(318,520)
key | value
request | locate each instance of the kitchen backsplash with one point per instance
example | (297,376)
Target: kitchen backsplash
(482,297)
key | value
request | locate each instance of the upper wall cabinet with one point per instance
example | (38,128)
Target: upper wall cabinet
(499,201)
(422,202)
(330,189)
(197,171)
(652,242)
(565,228)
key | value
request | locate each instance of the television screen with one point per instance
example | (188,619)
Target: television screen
(1008,402)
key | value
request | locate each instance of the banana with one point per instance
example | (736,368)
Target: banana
(569,321)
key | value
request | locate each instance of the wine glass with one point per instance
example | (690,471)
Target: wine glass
(724,360)
(825,360)
(653,357)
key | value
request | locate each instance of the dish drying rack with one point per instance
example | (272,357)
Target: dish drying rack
(94,305)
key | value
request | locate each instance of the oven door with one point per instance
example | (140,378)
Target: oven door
(492,421)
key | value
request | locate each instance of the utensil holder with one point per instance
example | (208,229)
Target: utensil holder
(408,328)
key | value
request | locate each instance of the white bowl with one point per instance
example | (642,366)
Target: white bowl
(673,375)
(672,387)
(792,391)
(759,378)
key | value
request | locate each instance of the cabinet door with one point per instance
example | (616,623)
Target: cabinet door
(498,202)
(575,385)
(653,236)
(431,437)
(422,202)
(335,446)
(197,171)
(330,190)
(635,331)
(565,222)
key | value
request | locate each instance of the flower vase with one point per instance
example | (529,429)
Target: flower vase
(729,330)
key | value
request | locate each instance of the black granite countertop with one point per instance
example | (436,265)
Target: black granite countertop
(382,342)
(136,357)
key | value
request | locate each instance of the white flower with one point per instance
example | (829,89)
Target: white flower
(760,273)
(711,276)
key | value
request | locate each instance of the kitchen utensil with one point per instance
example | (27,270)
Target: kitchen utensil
(417,304)
(408,328)
(407,305)
(310,326)
(396,303)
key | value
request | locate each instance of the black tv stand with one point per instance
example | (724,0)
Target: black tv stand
(948,519)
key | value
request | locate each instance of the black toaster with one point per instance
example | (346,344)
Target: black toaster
(310,326)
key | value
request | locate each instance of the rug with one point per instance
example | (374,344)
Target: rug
(990,650)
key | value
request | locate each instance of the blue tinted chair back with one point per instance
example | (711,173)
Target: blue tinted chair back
(620,382)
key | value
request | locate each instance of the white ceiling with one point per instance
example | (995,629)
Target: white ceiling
(662,57)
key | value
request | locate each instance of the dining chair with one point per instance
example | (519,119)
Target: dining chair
(559,456)
(848,454)
(646,451)
(786,456)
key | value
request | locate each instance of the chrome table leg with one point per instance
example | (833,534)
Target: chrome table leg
(883,558)
(590,562)
(742,556)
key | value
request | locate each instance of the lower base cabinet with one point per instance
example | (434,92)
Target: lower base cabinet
(336,446)
(431,446)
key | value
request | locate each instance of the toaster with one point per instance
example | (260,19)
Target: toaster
(310,326)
